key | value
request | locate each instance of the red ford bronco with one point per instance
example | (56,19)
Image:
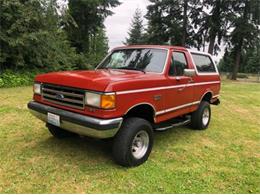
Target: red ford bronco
(133,92)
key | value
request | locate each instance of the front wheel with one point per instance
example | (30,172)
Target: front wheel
(200,119)
(133,143)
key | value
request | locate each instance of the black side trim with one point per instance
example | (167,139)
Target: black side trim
(71,117)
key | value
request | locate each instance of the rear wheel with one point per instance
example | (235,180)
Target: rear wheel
(133,143)
(58,132)
(200,119)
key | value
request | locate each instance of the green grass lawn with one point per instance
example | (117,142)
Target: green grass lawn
(223,159)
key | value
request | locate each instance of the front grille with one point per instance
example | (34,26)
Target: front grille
(64,96)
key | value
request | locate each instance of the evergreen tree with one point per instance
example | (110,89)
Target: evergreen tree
(212,23)
(242,53)
(88,18)
(31,36)
(251,59)
(99,47)
(246,30)
(169,21)
(156,31)
(225,64)
(135,34)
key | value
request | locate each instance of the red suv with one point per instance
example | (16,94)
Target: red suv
(133,92)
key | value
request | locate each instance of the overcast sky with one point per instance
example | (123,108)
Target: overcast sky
(118,24)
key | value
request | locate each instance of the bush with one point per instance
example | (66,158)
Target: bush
(11,78)
(239,76)
(14,79)
(1,82)
(242,76)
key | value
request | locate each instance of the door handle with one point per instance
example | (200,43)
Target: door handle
(179,78)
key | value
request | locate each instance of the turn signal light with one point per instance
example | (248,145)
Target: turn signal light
(108,101)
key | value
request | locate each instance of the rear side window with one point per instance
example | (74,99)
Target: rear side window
(203,63)
(179,63)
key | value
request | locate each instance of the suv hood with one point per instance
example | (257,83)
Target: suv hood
(96,80)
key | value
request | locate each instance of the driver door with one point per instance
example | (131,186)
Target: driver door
(181,95)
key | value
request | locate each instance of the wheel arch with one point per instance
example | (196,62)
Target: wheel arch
(207,96)
(143,110)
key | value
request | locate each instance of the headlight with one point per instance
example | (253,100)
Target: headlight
(105,101)
(93,99)
(37,88)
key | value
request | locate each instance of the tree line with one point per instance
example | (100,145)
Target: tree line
(47,35)
(202,24)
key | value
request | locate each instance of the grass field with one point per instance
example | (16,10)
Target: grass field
(223,159)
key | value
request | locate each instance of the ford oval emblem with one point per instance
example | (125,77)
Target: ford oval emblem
(60,96)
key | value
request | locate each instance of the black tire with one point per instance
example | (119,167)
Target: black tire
(123,152)
(58,132)
(197,116)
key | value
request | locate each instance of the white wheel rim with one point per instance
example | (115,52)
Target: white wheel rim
(140,144)
(205,116)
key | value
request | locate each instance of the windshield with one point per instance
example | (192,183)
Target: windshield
(148,60)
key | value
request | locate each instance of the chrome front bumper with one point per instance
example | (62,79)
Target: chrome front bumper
(77,123)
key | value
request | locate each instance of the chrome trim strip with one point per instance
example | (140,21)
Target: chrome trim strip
(181,106)
(176,108)
(167,87)
(142,103)
(208,91)
(62,103)
(204,83)
(63,92)
(215,96)
(63,99)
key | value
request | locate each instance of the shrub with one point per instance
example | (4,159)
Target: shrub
(239,76)
(1,82)
(14,79)
(242,76)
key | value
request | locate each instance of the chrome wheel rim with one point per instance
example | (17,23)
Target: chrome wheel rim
(205,116)
(140,144)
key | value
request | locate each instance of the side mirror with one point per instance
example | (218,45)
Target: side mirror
(189,72)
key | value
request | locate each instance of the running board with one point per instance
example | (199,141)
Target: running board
(182,123)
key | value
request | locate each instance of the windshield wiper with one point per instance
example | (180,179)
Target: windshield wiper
(131,68)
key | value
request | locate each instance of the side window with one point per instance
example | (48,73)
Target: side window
(203,63)
(179,63)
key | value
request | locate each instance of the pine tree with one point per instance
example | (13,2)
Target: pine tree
(251,60)
(246,30)
(242,53)
(136,31)
(157,30)
(212,23)
(98,47)
(88,18)
(169,21)
(31,37)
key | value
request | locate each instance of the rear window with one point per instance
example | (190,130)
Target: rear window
(203,63)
